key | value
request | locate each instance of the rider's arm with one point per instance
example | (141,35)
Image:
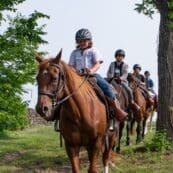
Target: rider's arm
(110,72)
(95,60)
(95,67)
(124,72)
(142,80)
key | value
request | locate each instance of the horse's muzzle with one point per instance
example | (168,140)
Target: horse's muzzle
(45,111)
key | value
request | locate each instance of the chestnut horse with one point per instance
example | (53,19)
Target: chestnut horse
(82,117)
(142,115)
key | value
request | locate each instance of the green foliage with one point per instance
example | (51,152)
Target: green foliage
(17,63)
(12,116)
(147,7)
(8,5)
(170,14)
(159,142)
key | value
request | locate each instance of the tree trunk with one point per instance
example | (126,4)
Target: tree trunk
(165,73)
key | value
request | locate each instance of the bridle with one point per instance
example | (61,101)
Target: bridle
(55,95)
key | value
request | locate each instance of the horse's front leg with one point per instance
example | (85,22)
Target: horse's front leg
(111,139)
(128,128)
(73,154)
(139,131)
(145,128)
(121,126)
(93,153)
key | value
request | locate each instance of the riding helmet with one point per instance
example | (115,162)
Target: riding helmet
(147,73)
(120,52)
(83,34)
(137,66)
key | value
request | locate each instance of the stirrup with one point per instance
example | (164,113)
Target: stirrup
(111,125)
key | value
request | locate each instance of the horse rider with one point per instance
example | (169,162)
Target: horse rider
(118,70)
(87,58)
(141,82)
(150,86)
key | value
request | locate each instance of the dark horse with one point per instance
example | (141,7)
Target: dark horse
(142,115)
(124,102)
(82,117)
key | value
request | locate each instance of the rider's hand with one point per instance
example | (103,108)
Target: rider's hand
(84,71)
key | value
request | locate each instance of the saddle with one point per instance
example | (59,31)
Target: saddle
(93,82)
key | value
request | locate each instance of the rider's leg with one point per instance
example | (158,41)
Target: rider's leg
(120,114)
(149,99)
(133,105)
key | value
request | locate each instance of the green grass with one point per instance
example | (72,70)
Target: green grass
(31,149)
(37,150)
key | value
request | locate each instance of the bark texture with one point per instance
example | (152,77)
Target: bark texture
(165,72)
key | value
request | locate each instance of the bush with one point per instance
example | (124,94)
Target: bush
(14,115)
(159,143)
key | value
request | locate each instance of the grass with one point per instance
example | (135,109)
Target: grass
(37,150)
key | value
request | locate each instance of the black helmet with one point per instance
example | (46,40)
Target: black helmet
(119,52)
(83,34)
(147,73)
(137,66)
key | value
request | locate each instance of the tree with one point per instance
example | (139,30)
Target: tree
(165,61)
(17,63)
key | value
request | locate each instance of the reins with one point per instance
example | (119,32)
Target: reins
(73,93)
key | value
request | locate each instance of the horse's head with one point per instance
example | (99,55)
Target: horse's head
(51,82)
(132,80)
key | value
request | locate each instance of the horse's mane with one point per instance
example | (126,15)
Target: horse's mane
(75,79)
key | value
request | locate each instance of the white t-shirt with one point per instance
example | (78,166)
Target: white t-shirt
(84,59)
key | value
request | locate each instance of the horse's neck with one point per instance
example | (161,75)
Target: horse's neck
(78,87)
(139,96)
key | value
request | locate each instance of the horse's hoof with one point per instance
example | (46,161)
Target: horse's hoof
(112,164)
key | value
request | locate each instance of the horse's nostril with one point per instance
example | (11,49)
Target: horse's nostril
(45,109)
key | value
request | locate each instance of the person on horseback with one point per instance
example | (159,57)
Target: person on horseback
(150,86)
(141,81)
(148,81)
(87,58)
(118,70)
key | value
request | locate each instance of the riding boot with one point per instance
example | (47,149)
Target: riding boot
(134,106)
(119,114)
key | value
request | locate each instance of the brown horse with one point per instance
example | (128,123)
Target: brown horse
(124,103)
(82,117)
(140,116)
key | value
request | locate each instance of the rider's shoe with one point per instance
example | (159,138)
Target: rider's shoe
(119,113)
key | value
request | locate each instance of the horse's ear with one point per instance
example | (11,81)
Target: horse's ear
(38,57)
(58,57)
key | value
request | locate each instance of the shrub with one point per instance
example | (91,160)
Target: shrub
(159,142)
